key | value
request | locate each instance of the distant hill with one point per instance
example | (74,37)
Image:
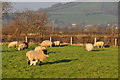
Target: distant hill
(83,13)
(78,13)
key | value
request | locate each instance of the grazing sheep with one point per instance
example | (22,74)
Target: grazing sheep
(13,44)
(46,43)
(38,48)
(99,44)
(89,47)
(34,56)
(23,46)
(56,43)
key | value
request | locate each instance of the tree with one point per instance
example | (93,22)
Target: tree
(31,22)
(6,6)
(4,12)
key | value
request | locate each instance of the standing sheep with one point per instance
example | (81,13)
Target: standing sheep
(34,56)
(23,46)
(46,43)
(38,48)
(89,47)
(99,44)
(13,44)
(56,43)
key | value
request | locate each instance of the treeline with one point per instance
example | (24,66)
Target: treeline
(28,22)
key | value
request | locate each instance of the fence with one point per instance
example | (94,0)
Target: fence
(113,41)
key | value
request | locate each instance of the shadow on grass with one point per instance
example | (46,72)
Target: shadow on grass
(53,52)
(106,46)
(9,51)
(59,46)
(60,61)
(97,50)
(63,45)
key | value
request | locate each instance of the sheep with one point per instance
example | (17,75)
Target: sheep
(23,46)
(89,47)
(56,43)
(46,43)
(13,44)
(34,56)
(99,44)
(39,48)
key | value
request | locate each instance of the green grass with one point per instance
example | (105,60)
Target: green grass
(64,62)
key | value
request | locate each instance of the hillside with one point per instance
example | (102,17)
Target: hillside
(78,13)
(84,12)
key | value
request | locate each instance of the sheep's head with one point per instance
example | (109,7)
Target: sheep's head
(45,52)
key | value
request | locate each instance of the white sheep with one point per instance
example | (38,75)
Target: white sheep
(99,44)
(34,56)
(13,44)
(39,48)
(46,43)
(89,47)
(56,43)
(22,46)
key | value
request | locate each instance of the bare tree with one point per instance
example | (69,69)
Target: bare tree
(6,6)
(30,22)
(4,12)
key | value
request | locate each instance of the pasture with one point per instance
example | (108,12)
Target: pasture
(63,62)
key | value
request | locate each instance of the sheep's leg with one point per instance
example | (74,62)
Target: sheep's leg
(28,60)
(35,62)
(31,62)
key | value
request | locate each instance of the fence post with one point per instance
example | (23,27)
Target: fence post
(26,39)
(115,42)
(71,40)
(50,39)
(95,40)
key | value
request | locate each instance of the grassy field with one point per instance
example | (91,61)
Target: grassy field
(64,62)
